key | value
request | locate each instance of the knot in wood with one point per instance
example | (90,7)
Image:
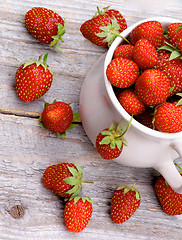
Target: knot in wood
(17,211)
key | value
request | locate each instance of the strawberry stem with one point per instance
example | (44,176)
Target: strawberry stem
(82,181)
(132,188)
(119,35)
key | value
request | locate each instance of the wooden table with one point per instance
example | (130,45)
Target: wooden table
(26,149)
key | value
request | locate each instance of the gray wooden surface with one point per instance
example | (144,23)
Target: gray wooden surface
(26,149)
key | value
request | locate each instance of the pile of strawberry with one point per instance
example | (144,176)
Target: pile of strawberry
(147,75)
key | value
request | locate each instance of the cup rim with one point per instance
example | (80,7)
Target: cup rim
(109,55)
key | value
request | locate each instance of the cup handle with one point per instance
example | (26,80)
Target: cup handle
(169,171)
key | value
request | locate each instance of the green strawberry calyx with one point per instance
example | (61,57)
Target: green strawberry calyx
(75,180)
(179,103)
(114,136)
(101,12)
(38,63)
(175,52)
(61,31)
(132,188)
(84,199)
(110,32)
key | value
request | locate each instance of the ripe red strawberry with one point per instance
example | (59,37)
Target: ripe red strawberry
(146,117)
(173,70)
(58,117)
(130,101)
(45,25)
(122,72)
(63,179)
(168,118)
(77,213)
(144,54)
(110,141)
(171,201)
(125,201)
(174,30)
(33,80)
(180,43)
(104,27)
(151,30)
(152,87)
(124,51)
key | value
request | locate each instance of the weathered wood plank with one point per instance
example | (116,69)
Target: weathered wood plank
(27,149)
(31,149)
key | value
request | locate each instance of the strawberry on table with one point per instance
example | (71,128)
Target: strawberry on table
(168,118)
(124,51)
(152,87)
(64,179)
(144,54)
(171,201)
(77,213)
(45,25)
(130,101)
(58,117)
(110,141)
(125,201)
(104,27)
(122,72)
(33,79)
(150,30)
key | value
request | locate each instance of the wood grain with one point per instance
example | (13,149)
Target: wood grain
(26,149)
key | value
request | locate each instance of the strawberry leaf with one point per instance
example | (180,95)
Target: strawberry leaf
(119,128)
(79,168)
(71,180)
(74,191)
(76,116)
(105,140)
(113,144)
(73,171)
(71,126)
(112,127)
(174,54)
(63,134)
(119,144)
(106,133)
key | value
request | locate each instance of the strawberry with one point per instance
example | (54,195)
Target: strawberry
(45,25)
(174,30)
(130,101)
(168,118)
(125,201)
(124,51)
(152,87)
(144,54)
(58,117)
(180,43)
(173,70)
(77,213)
(171,201)
(104,27)
(146,117)
(110,141)
(63,179)
(151,30)
(33,79)
(122,72)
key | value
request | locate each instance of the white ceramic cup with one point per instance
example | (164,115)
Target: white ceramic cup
(99,108)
